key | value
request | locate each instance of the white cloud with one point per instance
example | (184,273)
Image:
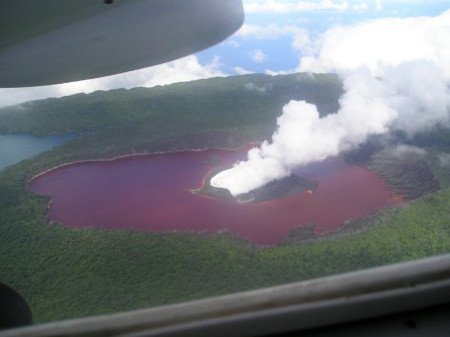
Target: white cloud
(301,41)
(253,87)
(232,43)
(300,37)
(360,7)
(185,69)
(241,71)
(383,42)
(258,56)
(378,5)
(268,32)
(410,56)
(280,6)
(279,72)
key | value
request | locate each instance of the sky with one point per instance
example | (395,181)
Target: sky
(278,36)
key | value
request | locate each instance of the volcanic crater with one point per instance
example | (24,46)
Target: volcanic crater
(154,193)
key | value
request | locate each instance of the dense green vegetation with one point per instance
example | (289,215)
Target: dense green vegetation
(214,103)
(71,273)
(216,112)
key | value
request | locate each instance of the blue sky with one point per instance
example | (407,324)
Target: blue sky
(238,50)
(275,36)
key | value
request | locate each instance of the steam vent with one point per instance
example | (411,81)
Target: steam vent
(277,189)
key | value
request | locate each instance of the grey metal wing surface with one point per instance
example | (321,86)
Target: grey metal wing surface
(56,41)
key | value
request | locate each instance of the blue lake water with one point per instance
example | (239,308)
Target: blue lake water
(14,148)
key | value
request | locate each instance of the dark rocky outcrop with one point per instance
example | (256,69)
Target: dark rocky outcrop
(277,189)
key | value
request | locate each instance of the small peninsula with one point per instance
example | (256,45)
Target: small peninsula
(277,189)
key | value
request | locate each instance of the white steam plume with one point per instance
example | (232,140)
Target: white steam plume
(396,75)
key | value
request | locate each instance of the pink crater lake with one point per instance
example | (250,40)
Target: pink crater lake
(154,193)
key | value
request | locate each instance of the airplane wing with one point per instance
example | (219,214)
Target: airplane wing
(48,42)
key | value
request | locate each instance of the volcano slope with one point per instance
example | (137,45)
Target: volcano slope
(65,273)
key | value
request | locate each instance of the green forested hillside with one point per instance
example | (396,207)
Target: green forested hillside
(71,273)
(192,106)
(213,112)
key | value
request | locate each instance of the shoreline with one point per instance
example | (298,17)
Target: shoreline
(359,224)
(293,238)
(130,155)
